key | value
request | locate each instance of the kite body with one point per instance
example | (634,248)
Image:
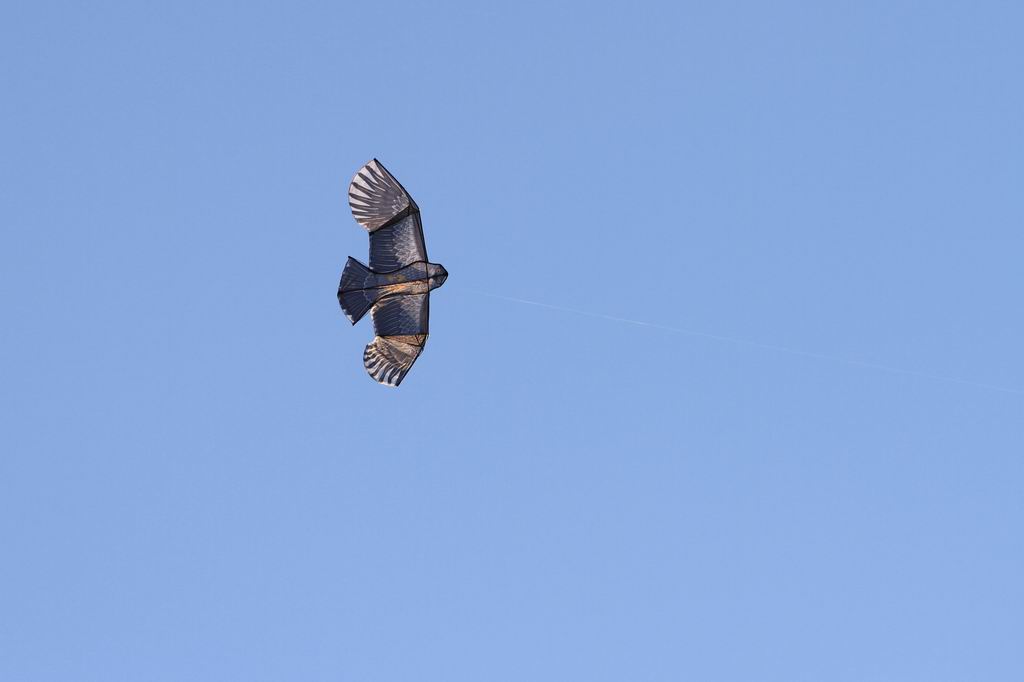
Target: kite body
(396,285)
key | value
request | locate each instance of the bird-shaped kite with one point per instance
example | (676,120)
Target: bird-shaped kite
(396,287)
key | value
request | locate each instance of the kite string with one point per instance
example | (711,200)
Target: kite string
(756,344)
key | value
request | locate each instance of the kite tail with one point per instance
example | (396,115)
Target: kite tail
(357,292)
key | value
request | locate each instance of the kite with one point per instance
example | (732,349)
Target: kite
(396,286)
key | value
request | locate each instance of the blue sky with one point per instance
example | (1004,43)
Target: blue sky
(199,482)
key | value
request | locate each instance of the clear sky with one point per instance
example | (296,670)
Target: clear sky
(198,481)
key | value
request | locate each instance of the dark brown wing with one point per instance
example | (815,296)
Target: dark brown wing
(401,324)
(381,205)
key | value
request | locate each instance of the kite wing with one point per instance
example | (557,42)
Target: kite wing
(401,325)
(381,205)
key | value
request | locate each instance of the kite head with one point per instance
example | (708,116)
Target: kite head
(437,275)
